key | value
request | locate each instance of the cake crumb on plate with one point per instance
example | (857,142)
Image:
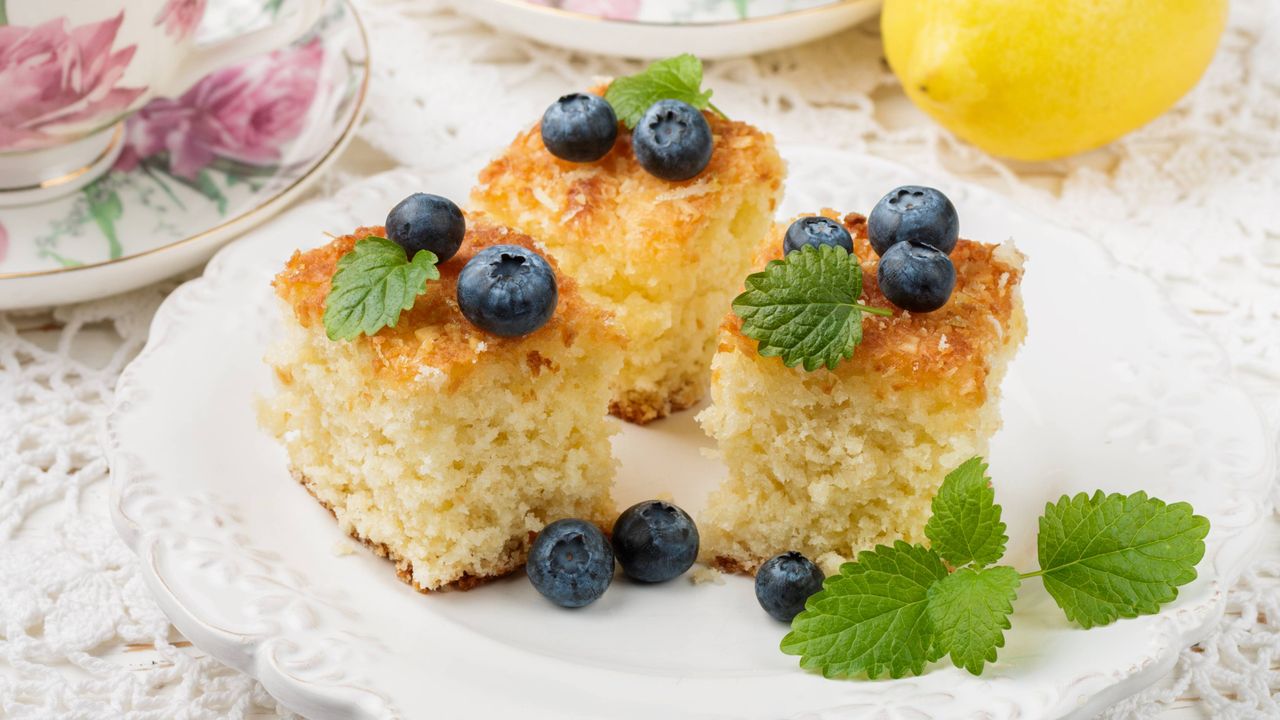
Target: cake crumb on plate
(704,574)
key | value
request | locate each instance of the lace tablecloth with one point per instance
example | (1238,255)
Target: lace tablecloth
(1190,199)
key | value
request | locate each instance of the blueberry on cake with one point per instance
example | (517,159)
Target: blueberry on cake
(832,449)
(658,224)
(441,386)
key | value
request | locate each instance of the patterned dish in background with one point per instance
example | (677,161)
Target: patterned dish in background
(681,12)
(660,28)
(196,169)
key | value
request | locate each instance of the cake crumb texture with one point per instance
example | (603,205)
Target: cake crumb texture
(832,462)
(445,448)
(665,257)
(705,574)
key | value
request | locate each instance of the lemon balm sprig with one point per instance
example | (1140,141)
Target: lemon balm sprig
(805,308)
(675,78)
(374,283)
(1102,557)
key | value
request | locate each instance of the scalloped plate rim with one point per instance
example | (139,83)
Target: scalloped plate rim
(1190,624)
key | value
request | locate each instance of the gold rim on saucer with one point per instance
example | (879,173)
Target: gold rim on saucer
(65,178)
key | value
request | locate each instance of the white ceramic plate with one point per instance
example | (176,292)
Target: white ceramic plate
(153,215)
(661,28)
(1111,391)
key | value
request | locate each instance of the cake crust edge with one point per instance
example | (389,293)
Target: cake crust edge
(641,407)
(402,568)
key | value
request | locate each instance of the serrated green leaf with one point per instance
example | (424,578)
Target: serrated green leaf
(372,285)
(969,611)
(871,618)
(804,308)
(965,526)
(1117,556)
(675,78)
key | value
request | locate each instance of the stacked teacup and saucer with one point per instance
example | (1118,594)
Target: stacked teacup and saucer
(136,136)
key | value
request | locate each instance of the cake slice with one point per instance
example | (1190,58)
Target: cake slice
(831,462)
(443,447)
(665,257)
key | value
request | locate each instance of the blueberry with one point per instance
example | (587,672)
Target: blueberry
(913,213)
(579,128)
(570,563)
(816,231)
(507,290)
(672,140)
(916,277)
(655,541)
(784,582)
(427,222)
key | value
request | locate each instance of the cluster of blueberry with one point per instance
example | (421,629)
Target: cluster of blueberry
(506,290)
(672,140)
(913,229)
(571,562)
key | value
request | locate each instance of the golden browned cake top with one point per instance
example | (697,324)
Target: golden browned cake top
(954,342)
(434,332)
(586,196)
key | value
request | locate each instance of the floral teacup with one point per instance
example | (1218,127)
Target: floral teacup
(72,70)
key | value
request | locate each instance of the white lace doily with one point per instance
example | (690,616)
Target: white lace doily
(1190,199)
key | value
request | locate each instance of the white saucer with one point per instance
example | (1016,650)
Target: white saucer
(1112,391)
(150,217)
(661,28)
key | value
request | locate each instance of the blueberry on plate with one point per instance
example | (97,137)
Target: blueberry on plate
(916,277)
(579,128)
(816,231)
(507,290)
(655,541)
(672,140)
(785,582)
(427,222)
(570,563)
(913,213)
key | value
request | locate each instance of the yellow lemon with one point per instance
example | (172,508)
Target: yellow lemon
(1040,79)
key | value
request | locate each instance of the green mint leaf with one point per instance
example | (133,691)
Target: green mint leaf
(969,611)
(372,285)
(965,526)
(871,618)
(805,308)
(676,78)
(1117,556)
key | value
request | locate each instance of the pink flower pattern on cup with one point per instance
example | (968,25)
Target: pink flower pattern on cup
(611,9)
(180,17)
(54,76)
(245,113)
